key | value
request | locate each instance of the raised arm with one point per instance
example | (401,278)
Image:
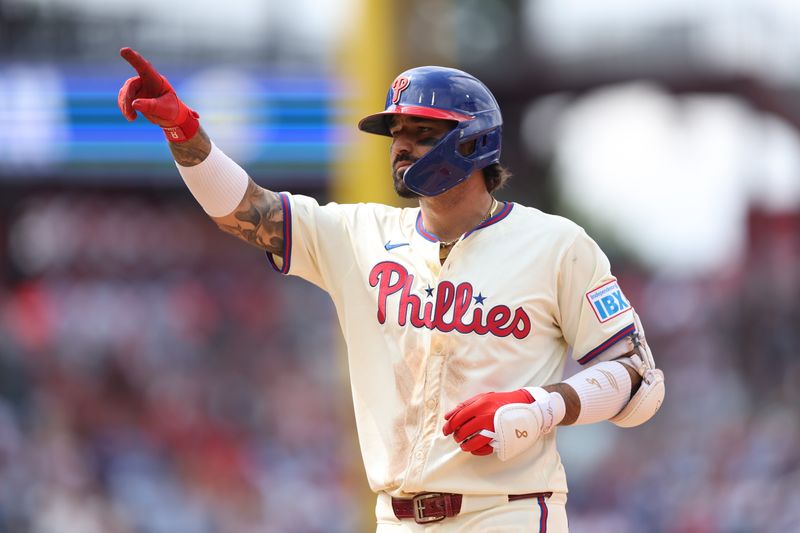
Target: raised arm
(227,194)
(257,219)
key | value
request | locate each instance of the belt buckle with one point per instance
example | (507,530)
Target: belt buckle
(418,504)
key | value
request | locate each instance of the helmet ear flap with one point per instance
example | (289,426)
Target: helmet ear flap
(467,148)
(487,148)
(440,169)
(487,144)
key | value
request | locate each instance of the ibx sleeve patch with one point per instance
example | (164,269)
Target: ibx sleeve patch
(607,301)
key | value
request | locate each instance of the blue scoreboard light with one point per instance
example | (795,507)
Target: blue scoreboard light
(61,123)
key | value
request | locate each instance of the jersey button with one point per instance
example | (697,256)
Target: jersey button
(431,404)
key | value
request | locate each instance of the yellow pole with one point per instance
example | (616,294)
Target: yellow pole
(366,68)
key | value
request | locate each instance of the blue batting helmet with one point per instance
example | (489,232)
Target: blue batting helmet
(448,94)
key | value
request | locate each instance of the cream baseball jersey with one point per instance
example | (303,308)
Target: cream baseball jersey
(500,314)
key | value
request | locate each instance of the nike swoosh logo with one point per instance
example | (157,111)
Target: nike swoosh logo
(391,246)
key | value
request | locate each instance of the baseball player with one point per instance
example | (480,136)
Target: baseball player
(458,314)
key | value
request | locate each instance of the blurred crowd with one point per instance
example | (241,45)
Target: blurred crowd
(156,376)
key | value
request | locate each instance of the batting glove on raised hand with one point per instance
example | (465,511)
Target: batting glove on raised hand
(506,423)
(151,94)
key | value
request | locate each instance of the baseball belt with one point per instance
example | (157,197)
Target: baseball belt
(428,507)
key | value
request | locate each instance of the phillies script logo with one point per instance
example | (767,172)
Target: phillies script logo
(398,86)
(392,278)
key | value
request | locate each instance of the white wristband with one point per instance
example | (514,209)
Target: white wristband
(218,183)
(604,389)
(552,405)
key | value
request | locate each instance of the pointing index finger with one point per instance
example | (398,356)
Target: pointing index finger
(142,66)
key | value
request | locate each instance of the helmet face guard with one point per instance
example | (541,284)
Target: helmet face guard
(444,94)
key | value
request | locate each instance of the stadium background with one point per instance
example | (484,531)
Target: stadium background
(156,376)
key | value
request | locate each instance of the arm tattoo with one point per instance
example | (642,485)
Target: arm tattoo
(258,219)
(192,152)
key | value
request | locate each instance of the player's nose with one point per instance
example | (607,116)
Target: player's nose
(401,143)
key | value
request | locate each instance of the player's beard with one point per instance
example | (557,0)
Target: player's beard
(400,186)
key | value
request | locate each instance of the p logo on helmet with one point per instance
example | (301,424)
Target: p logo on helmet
(398,86)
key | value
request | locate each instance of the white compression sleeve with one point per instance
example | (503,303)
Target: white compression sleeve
(218,183)
(604,390)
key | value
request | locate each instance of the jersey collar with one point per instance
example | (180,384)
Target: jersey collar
(494,219)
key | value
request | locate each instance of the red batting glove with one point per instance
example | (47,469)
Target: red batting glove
(470,417)
(151,94)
